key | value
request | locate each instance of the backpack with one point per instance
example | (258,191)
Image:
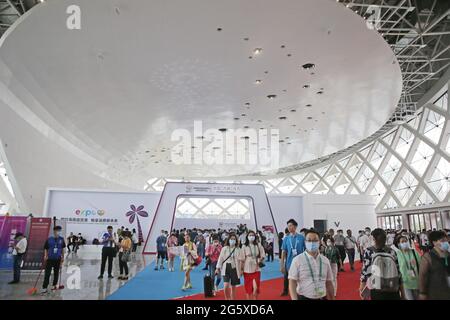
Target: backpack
(384,272)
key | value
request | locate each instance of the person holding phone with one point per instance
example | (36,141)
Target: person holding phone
(109,251)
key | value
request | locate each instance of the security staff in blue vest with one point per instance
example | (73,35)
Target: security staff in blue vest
(53,258)
(109,251)
(293,245)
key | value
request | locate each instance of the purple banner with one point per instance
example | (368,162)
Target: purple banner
(9,226)
(38,234)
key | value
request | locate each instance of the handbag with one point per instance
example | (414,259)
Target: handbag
(126,256)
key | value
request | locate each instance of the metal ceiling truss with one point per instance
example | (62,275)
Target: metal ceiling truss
(365,170)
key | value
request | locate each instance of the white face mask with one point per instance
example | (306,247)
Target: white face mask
(251,238)
(232,242)
(404,245)
(329,243)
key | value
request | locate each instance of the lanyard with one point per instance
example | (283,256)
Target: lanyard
(296,241)
(408,259)
(310,268)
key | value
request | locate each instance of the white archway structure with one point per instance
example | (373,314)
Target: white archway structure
(165,212)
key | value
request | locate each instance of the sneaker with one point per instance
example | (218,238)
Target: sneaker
(189,286)
(162,267)
(44,291)
(216,288)
(54,288)
(100,277)
(183,288)
(110,276)
(156,269)
(125,278)
(120,278)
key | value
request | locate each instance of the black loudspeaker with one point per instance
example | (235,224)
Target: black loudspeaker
(320,226)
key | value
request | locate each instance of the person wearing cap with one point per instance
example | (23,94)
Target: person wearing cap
(18,252)
(53,258)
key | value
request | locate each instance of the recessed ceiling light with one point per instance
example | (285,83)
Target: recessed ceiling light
(309,118)
(236,118)
(319,92)
(258,81)
(293,110)
(272,96)
(283,46)
(289,55)
(282,118)
(250,57)
(266,72)
(246,127)
(219,29)
(246,39)
(247,103)
(308,66)
(223,129)
(257,51)
(281,141)
(308,105)
(243,114)
(305,86)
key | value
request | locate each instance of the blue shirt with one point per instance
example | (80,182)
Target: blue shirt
(290,244)
(105,241)
(54,247)
(161,243)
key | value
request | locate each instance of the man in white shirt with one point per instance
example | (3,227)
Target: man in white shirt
(18,252)
(310,275)
(365,241)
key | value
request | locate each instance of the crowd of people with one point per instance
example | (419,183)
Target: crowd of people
(392,266)
(396,264)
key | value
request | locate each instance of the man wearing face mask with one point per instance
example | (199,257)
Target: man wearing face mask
(53,258)
(434,271)
(350,246)
(339,241)
(365,241)
(310,275)
(293,245)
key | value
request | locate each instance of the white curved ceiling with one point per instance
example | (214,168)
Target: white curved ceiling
(113,92)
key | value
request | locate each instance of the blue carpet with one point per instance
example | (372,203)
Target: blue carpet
(164,285)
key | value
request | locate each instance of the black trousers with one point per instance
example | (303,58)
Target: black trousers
(16,266)
(49,266)
(351,256)
(108,253)
(341,250)
(286,282)
(123,266)
(270,255)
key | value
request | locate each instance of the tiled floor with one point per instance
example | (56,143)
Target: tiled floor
(79,276)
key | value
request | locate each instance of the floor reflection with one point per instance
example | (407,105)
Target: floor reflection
(79,276)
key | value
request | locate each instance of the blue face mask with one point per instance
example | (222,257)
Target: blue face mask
(404,245)
(444,246)
(312,246)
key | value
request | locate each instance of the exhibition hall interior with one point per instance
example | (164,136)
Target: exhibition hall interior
(224,150)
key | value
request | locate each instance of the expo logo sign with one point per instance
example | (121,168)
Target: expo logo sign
(89,212)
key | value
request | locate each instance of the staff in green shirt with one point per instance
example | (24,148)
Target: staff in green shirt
(408,261)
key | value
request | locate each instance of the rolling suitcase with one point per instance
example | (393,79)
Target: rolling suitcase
(208,286)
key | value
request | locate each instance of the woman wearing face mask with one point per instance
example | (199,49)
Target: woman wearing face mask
(408,261)
(187,261)
(172,243)
(333,255)
(252,256)
(212,256)
(434,271)
(229,267)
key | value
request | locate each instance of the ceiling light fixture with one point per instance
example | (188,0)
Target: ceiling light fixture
(257,51)
(272,96)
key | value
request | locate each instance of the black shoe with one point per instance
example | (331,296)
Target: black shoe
(13,282)
(205,268)
(110,277)
(100,277)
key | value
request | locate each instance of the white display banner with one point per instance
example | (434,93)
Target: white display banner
(89,212)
